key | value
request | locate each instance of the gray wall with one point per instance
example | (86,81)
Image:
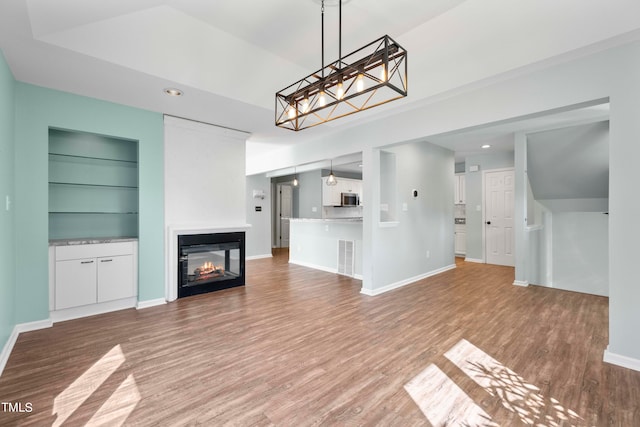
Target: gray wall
(581,252)
(400,252)
(308,195)
(258,238)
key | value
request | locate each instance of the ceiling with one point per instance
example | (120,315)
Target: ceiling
(231,56)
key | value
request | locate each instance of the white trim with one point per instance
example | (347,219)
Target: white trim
(208,128)
(8,347)
(522,283)
(477,260)
(17,330)
(358,277)
(34,326)
(620,360)
(314,266)
(150,303)
(401,283)
(263,256)
(92,309)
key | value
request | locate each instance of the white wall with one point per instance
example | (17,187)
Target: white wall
(204,174)
(581,252)
(258,237)
(608,74)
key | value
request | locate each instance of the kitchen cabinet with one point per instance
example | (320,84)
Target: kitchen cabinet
(331,194)
(459,189)
(86,274)
(460,236)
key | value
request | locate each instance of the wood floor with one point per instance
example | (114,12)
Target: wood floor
(300,347)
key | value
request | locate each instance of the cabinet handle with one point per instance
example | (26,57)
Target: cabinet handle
(106,260)
(86,262)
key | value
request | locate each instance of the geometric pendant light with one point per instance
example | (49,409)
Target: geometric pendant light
(370,76)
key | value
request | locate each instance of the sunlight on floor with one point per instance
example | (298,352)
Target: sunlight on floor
(446,404)
(518,396)
(119,405)
(443,402)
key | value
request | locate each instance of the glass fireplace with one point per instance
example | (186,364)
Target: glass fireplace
(210,262)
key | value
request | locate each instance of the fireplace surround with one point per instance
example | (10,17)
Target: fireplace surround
(210,262)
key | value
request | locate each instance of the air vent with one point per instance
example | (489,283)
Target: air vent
(346,257)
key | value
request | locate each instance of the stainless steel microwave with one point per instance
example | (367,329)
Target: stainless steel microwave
(349,199)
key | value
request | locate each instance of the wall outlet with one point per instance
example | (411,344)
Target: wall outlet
(7,203)
(405,207)
(428,254)
(326,228)
(314,209)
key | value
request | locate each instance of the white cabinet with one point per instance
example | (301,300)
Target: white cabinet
(331,194)
(75,283)
(86,274)
(115,278)
(459,190)
(460,242)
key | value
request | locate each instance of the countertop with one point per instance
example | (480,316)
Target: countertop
(325,220)
(90,241)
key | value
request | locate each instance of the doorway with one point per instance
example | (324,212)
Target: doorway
(283,214)
(499,185)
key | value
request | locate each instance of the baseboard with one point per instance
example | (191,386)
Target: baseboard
(8,347)
(17,330)
(522,283)
(252,257)
(619,360)
(396,285)
(358,276)
(314,266)
(476,260)
(150,303)
(92,309)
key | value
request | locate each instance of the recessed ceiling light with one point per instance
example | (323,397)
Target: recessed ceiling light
(486,146)
(172,91)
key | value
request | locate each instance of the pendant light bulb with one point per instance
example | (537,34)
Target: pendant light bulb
(295,178)
(292,112)
(305,103)
(331,179)
(383,73)
(340,90)
(322,99)
(360,82)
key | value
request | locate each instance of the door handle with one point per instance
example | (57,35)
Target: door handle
(488,222)
(86,262)
(106,260)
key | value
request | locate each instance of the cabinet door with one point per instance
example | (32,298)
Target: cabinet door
(459,190)
(115,278)
(460,242)
(463,190)
(75,283)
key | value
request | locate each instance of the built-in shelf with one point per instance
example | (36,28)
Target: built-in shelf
(91,213)
(100,159)
(93,185)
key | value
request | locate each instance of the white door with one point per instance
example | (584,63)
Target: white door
(286,210)
(499,206)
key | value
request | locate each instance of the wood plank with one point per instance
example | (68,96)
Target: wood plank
(300,347)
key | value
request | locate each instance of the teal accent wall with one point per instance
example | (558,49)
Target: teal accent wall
(37,110)
(7,278)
